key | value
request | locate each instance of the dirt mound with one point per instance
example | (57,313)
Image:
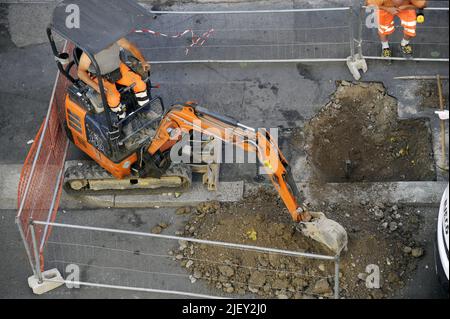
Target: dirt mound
(261,220)
(358,137)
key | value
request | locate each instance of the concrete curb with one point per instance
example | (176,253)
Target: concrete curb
(410,193)
(414,193)
(227,192)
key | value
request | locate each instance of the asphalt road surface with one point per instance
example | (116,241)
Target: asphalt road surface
(269,95)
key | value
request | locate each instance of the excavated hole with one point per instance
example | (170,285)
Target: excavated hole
(357,137)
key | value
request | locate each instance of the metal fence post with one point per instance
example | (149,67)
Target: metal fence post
(336,277)
(37,259)
(27,248)
(54,199)
(351,33)
(360,11)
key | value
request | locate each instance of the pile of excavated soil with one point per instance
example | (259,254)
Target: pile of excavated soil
(378,235)
(358,137)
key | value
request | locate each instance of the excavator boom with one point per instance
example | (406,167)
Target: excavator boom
(184,119)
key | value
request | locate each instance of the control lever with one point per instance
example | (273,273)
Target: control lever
(128,88)
(147,80)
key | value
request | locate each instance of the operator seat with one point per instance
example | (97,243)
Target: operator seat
(94,97)
(77,52)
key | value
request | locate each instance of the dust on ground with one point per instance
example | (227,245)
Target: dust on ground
(378,235)
(358,137)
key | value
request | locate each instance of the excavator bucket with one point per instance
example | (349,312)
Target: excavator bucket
(326,231)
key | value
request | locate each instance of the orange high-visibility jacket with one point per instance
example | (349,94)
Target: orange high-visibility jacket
(389,3)
(407,16)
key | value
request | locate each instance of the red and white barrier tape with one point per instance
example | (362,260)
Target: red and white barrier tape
(196,40)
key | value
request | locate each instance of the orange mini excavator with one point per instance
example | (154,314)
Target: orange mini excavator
(135,151)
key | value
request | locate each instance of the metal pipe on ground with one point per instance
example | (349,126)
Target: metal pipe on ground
(444,165)
(420,77)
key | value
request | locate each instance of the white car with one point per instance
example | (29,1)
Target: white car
(441,252)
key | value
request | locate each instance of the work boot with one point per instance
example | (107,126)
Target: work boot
(407,50)
(386,53)
(120,111)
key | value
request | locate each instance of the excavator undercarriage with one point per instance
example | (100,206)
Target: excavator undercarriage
(87,177)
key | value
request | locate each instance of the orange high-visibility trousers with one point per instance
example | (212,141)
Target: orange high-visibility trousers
(386,22)
(128,78)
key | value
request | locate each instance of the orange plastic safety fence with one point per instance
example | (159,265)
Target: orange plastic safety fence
(40,183)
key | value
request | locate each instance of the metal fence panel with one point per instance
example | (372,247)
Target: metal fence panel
(40,182)
(148,262)
(264,35)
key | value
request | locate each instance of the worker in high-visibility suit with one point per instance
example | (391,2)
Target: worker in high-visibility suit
(115,71)
(406,11)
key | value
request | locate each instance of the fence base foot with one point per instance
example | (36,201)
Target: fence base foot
(40,288)
(356,63)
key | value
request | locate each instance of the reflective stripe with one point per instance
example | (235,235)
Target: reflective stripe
(141,94)
(116,109)
(142,98)
(141,103)
(386,30)
(409,24)
(412,31)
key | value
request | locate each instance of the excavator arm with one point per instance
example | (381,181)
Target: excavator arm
(182,119)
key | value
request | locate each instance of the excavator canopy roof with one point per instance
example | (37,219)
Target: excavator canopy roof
(101,22)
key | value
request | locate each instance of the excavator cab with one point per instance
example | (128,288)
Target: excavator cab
(90,124)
